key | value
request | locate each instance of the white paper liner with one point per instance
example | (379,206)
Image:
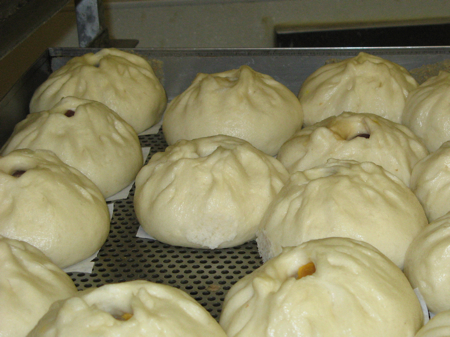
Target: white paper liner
(153,130)
(426,316)
(87,265)
(126,191)
(143,234)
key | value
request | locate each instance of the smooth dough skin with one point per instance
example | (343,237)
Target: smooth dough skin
(241,103)
(364,83)
(438,326)
(427,111)
(52,206)
(207,193)
(355,291)
(430,181)
(361,201)
(427,264)
(355,136)
(86,135)
(129,309)
(124,82)
(29,284)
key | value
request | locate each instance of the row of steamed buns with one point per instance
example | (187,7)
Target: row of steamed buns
(220,191)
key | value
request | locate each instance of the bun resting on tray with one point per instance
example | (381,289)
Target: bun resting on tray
(364,83)
(427,111)
(438,326)
(134,308)
(343,199)
(241,103)
(207,193)
(52,206)
(355,136)
(29,284)
(430,181)
(122,81)
(86,135)
(329,287)
(427,264)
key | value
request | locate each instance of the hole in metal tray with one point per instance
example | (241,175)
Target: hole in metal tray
(205,274)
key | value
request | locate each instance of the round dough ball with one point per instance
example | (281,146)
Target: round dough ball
(355,136)
(427,264)
(427,111)
(124,82)
(29,284)
(135,308)
(86,135)
(430,181)
(241,103)
(207,193)
(361,201)
(52,206)
(355,291)
(438,326)
(364,83)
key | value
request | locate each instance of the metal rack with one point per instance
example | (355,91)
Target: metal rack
(21,18)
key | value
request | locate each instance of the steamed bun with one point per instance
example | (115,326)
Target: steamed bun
(427,264)
(29,284)
(52,206)
(355,136)
(207,193)
(134,308)
(122,81)
(427,111)
(241,103)
(352,290)
(430,181)
(343,199)
(364,83)
(86,135)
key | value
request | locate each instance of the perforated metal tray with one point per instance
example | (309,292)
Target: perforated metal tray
(206,275)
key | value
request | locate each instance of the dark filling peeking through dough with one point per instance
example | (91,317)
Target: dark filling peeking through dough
(69,113)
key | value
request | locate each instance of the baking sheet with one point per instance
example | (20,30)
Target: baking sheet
(204,274)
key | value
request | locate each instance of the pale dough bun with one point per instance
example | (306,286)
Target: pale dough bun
(134,308)
(241,103)
(430,181)
(438,326)
(52,206)
(355,291)
(427,264)
(355,136)
(427,111)
(29,284)
(361,201)
(86,135)
(207,193)
(122,81)
(364,83)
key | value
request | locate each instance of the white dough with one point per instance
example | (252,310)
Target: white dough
(430,181)
(364,83)
(438,326)
(52,206)
(157,310)
(427,111)
(355,136)
(355,291)
(241,103)
(427,264)
(95,140)
(122,81)
(209,192)
(29,284)
(361,201)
